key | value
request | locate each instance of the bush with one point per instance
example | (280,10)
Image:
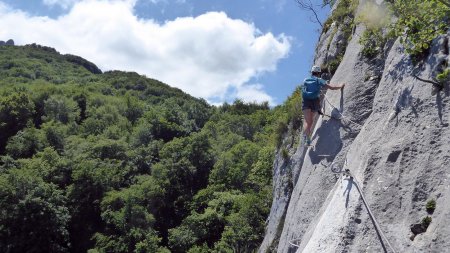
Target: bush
(332,65)
(426,221)
(373,42)
(419,22)
(282,128)
(444,76)
(24,144)
(294,104)
(343,16)
(285,153)
(431,206)
(60,108)
(344,9)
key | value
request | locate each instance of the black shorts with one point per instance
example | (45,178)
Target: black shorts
(313,104)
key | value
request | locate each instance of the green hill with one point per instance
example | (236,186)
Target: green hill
(118,162)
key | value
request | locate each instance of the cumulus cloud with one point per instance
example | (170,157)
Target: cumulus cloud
(206,56)
(254,93)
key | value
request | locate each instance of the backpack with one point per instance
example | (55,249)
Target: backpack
(311,88)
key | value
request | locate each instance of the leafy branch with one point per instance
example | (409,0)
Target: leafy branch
(446,3)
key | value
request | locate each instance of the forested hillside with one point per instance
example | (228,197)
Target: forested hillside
(118,162)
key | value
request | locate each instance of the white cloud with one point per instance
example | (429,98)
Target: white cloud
(205,55)
(254,93)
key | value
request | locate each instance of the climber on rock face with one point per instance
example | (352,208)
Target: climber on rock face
(311,88)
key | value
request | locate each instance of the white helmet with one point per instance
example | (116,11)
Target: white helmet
(316,69)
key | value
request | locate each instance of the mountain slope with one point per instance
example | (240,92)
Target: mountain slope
(118,162)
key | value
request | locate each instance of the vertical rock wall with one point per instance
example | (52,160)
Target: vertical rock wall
(395,137)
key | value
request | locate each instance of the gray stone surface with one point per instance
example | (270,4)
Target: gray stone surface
(395,137)
(285,172)
(331,142)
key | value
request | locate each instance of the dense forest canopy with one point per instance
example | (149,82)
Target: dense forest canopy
(118,162)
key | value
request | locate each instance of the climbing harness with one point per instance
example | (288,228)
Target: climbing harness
(346,172)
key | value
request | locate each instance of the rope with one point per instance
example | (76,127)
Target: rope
(342,116)
(369,211)
(291,242)
(371,215)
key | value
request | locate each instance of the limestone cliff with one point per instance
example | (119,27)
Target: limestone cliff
(394,138)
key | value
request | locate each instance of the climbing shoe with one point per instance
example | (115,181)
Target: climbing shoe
(307,140)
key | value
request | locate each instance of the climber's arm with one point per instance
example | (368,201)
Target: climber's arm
(335,87)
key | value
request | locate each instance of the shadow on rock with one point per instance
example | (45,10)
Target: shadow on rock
(328,143)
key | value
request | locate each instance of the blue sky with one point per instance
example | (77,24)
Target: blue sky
(220,50)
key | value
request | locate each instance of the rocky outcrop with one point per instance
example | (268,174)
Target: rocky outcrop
(43,48)
(91,67)
(393,137)
(285,173)
(9,42)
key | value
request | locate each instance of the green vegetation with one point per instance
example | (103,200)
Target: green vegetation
(375,18)
(117,162)
(426,222)
(343,17)
(285,153)
(444,76)
(419,22)
(290,117)
(431,206)
(344,12)
(372,41)
(332,65)
(416,22)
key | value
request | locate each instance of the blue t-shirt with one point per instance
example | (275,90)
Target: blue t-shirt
(311,87)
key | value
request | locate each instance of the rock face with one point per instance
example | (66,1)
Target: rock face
(394,138)
(7,43)
(91,67)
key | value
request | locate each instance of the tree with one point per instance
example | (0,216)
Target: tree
(34,215)
(24,144)
(245,226)
(129,220)
(133,109)
(54,135)
(118,162)
(60,108)
(16,109)
(91,179)
(308,5)
(196,228)
(233,167)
